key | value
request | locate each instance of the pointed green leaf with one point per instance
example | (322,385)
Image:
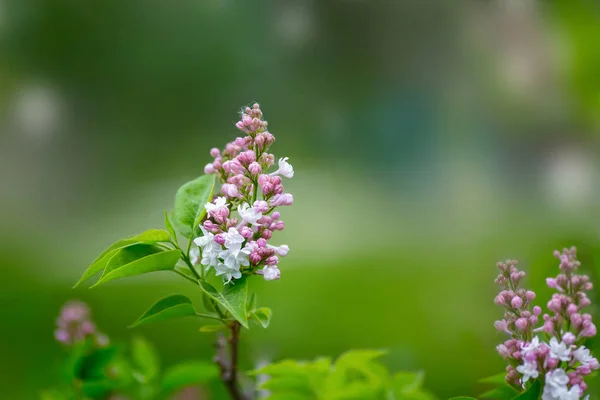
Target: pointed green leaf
(358,358)
(189,203)
(129,254)
(207,303)
(150,236)
(251,302)
(169,227)
(263,316)
(173,306)
(187,374)
(163,261)
(212,328)
(233,298)
(533,393)
(145,359)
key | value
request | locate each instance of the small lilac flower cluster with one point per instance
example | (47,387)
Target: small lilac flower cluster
(74,324)
(234,246)
(562,361)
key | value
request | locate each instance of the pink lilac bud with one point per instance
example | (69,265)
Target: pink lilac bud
(271,273)
(285,199)
(272,260)
(533,320)
(529,295)
(255,168)
(230,190)
(502,350)
(62,336)
(554,305)
(241,142)
(548,327)
(277,226)
(255,258)
(551,363)
(261,242)
(209,169)
(553,284)
(246,232)
(267,234)
(282,250)
(572,309)
(502,326)
(267,159)
(247,157)
(499,300)
(589,330)
(521,324)
(516,302)
(217,164)
(537,310)
(576,320)
(569,338)
(259,140)
(261,206)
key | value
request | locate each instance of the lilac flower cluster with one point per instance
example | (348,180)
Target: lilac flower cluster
(559,358)
(74,324)
(240,245)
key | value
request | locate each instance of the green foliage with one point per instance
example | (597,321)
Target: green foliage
(172,306)
(170,228)
(152,236)
(145,360)
(189,204)
(187,374)
(532,393)
(355,375)
(501,391)
(233,298)
(262,315)
(162,261)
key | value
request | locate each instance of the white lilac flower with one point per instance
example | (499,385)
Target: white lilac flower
(532,346)
(559,350)
(528,370)
(556,385)
(285,168)
(227,273)
(583,355)
(218,203)
(194,255)
(572,394)
(271,273)
(233,239)
(210,248)
(234,258)
(249,214)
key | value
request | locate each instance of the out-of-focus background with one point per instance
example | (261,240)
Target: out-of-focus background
(430,139)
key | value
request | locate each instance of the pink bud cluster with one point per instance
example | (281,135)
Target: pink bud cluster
(246,187)
(559,357)
(74,325)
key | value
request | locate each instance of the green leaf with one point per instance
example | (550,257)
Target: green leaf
(163,261)
(498,379)
(189,203)
(187,374)
(501,392)
(263,316)
(146,360)
(533,393)
(169,227)
(128,255)
(212,328)
(150,236)
(173,306)
(463,398)
(233,298)
(251,302)
(408,382)
(358,358)
(207,303)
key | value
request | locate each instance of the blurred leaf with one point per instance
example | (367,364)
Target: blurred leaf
(145,359)
(212,328)
(263,316)
(498,379)
(169,227)
(533,393)
(97,388)
(207,303)
(187,374)
(189,203)
(172,306)
(463,398)
(150,236)
(358,358)
(52,395)
(251,302)
(407,382)
(163,261)
(233,298)
(501,392)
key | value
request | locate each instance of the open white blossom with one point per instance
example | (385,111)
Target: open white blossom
(583,356)
(529,370)
(249,214)
(532,346)
(285,168)
(210,248)
(559,350)
(556,385)
(227,272)
(271,273)
(218,203)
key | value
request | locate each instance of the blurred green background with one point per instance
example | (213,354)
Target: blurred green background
(430,139)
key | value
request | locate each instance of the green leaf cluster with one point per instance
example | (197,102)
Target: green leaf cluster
(503,391)
(354,375)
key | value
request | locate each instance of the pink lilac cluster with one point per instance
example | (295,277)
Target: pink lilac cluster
(74,324)
(558,358)
(237,245)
